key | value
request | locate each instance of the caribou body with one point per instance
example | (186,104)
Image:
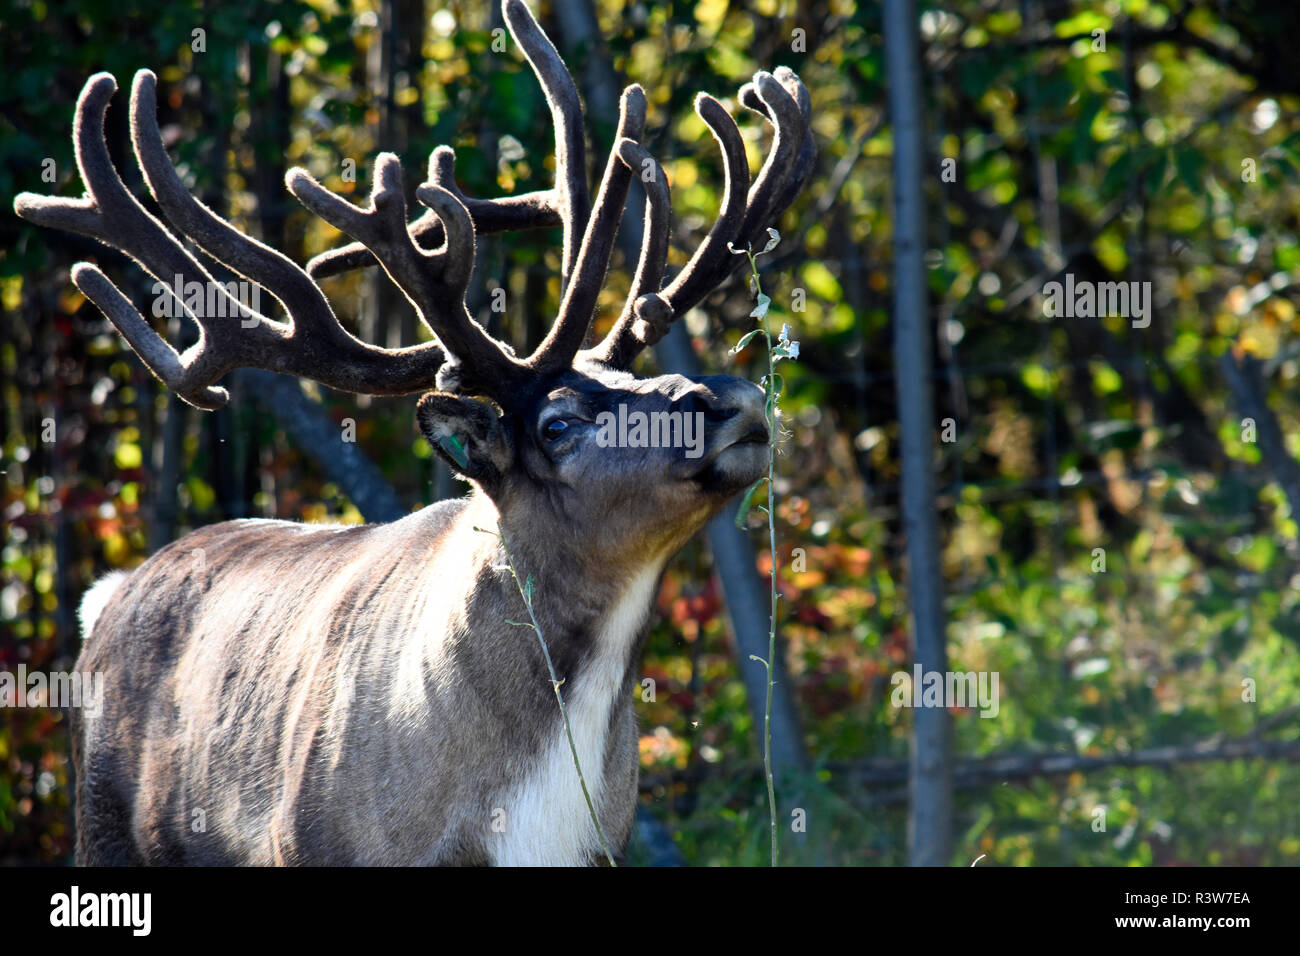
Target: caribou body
(278,693)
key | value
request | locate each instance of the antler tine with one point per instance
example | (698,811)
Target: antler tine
(782,111)
(578,307)
(645,317)
(803,163)
(173,370)
(526,211)
(700,273)
(572,198)
(435,282)
(744,213)
(654,248)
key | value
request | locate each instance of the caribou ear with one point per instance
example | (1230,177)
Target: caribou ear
(467,435)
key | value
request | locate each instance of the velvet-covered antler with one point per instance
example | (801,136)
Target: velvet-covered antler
(431,258)
(746,212)
(312,344)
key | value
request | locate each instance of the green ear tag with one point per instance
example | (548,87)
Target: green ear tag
(454,449)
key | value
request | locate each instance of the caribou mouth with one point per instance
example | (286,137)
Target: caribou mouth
(735,466)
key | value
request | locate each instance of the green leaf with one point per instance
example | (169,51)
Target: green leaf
(1118,175)
(747,505)
(773,389)
(1190,165)
(1156,172)
(744,340)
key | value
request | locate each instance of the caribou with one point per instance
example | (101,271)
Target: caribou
(278,693)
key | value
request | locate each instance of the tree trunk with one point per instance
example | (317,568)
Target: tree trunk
(929,828)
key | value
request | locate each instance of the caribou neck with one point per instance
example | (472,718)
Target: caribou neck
(589,606)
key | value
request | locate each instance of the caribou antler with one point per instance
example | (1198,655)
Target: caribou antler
(430,259)
(588,233)
(745,213)
(567,204)
(312,344)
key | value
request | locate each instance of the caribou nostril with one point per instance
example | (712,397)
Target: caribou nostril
(710,405)
(718,415)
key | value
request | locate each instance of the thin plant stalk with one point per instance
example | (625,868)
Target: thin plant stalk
(526,592)
(783,348)
(771,539)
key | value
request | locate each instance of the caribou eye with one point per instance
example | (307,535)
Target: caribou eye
(554,429)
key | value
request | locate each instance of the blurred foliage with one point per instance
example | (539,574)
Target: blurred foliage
(1071,435)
